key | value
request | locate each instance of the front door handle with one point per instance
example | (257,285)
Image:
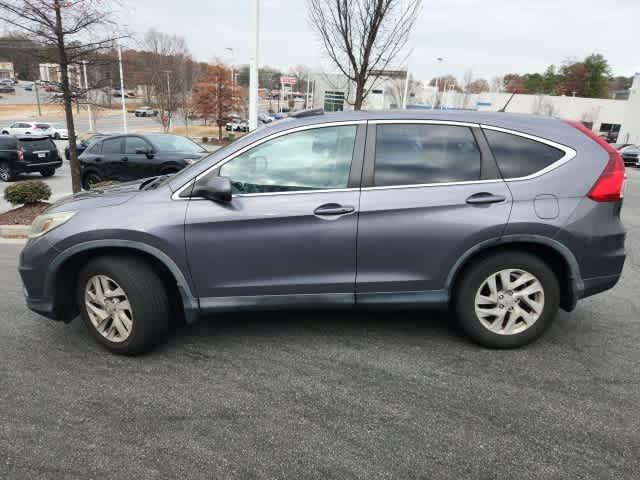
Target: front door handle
(333,209)
(485,197)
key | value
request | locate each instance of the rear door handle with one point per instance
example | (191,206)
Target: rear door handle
(333,209)
(125,159)
(485,197)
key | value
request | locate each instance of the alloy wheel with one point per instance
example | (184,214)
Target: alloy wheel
(5,173)
(509,301)
(108,308)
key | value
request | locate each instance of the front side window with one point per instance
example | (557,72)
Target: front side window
(315,159)
(414,154)
(519,156)
(133,143)
(112,145)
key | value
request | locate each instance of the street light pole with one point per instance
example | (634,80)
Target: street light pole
(86,92)
(253,65)
(124,107)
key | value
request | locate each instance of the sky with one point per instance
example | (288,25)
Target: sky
(490,37)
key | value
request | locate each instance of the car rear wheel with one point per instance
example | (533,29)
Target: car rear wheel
(90,179)
(48,172)
(6,172)
(56,136)
(508,300)
(123,303)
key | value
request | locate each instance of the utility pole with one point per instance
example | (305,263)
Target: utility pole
(86,92)
(35,89)
(406,90)
(253,65)
(124,107)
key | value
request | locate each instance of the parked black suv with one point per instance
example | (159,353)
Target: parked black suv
(27,153)
(129,157)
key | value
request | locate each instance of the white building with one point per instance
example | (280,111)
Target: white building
(616,120)
(50,72)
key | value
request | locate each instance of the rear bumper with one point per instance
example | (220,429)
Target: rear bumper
(36,166)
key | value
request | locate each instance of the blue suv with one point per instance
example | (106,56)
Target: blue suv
(503,218)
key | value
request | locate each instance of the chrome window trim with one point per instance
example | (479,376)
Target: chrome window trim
(569,153)
(442,184)
(176,194)
(423,122)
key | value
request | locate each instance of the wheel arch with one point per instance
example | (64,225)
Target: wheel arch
(64,269)
(553,253)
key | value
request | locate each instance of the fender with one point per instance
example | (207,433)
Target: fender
(190,301)
(576,278)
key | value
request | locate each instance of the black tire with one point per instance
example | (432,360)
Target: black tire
(475,275)
(4,132)
(148,299)
(56,136)
(48,172)
(6,172)
(90,178)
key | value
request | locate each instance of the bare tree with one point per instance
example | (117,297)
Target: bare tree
(170,73)
(75,29)
(363,37)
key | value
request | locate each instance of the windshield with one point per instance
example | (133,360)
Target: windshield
(175,143)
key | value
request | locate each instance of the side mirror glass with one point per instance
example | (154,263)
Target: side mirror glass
(216,189)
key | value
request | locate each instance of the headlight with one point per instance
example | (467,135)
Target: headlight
(43,223)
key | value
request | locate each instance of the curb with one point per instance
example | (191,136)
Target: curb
(14,232)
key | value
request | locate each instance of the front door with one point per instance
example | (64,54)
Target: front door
(135,164)
(431,192)
(289,234)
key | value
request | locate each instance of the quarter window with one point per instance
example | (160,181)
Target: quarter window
(315,159)
(519,156)
(410,154)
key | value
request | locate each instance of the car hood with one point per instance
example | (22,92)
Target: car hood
(100,197)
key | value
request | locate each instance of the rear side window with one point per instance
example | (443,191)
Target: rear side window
(112,145)
(8,143)
(519,156)
(411,154)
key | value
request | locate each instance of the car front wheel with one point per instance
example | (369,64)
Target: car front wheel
(507,300)
(123,303)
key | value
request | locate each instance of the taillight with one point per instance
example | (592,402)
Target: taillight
(609,186)
(20,154)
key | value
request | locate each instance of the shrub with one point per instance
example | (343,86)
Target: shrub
(205,139)
(29,191)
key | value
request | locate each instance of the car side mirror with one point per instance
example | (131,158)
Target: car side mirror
(145,151)
(216,189)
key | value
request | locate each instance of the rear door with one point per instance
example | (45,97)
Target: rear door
(431,191)
(109,162)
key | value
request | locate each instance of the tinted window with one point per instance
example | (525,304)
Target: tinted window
(417,154)
(131,143)
(518,156)
(7,142)
(112,145)
(35,145)
(308,160)
(96,148)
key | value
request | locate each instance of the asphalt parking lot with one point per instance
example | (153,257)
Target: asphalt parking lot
(390,394)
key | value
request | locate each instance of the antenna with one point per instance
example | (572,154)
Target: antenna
(504,109)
